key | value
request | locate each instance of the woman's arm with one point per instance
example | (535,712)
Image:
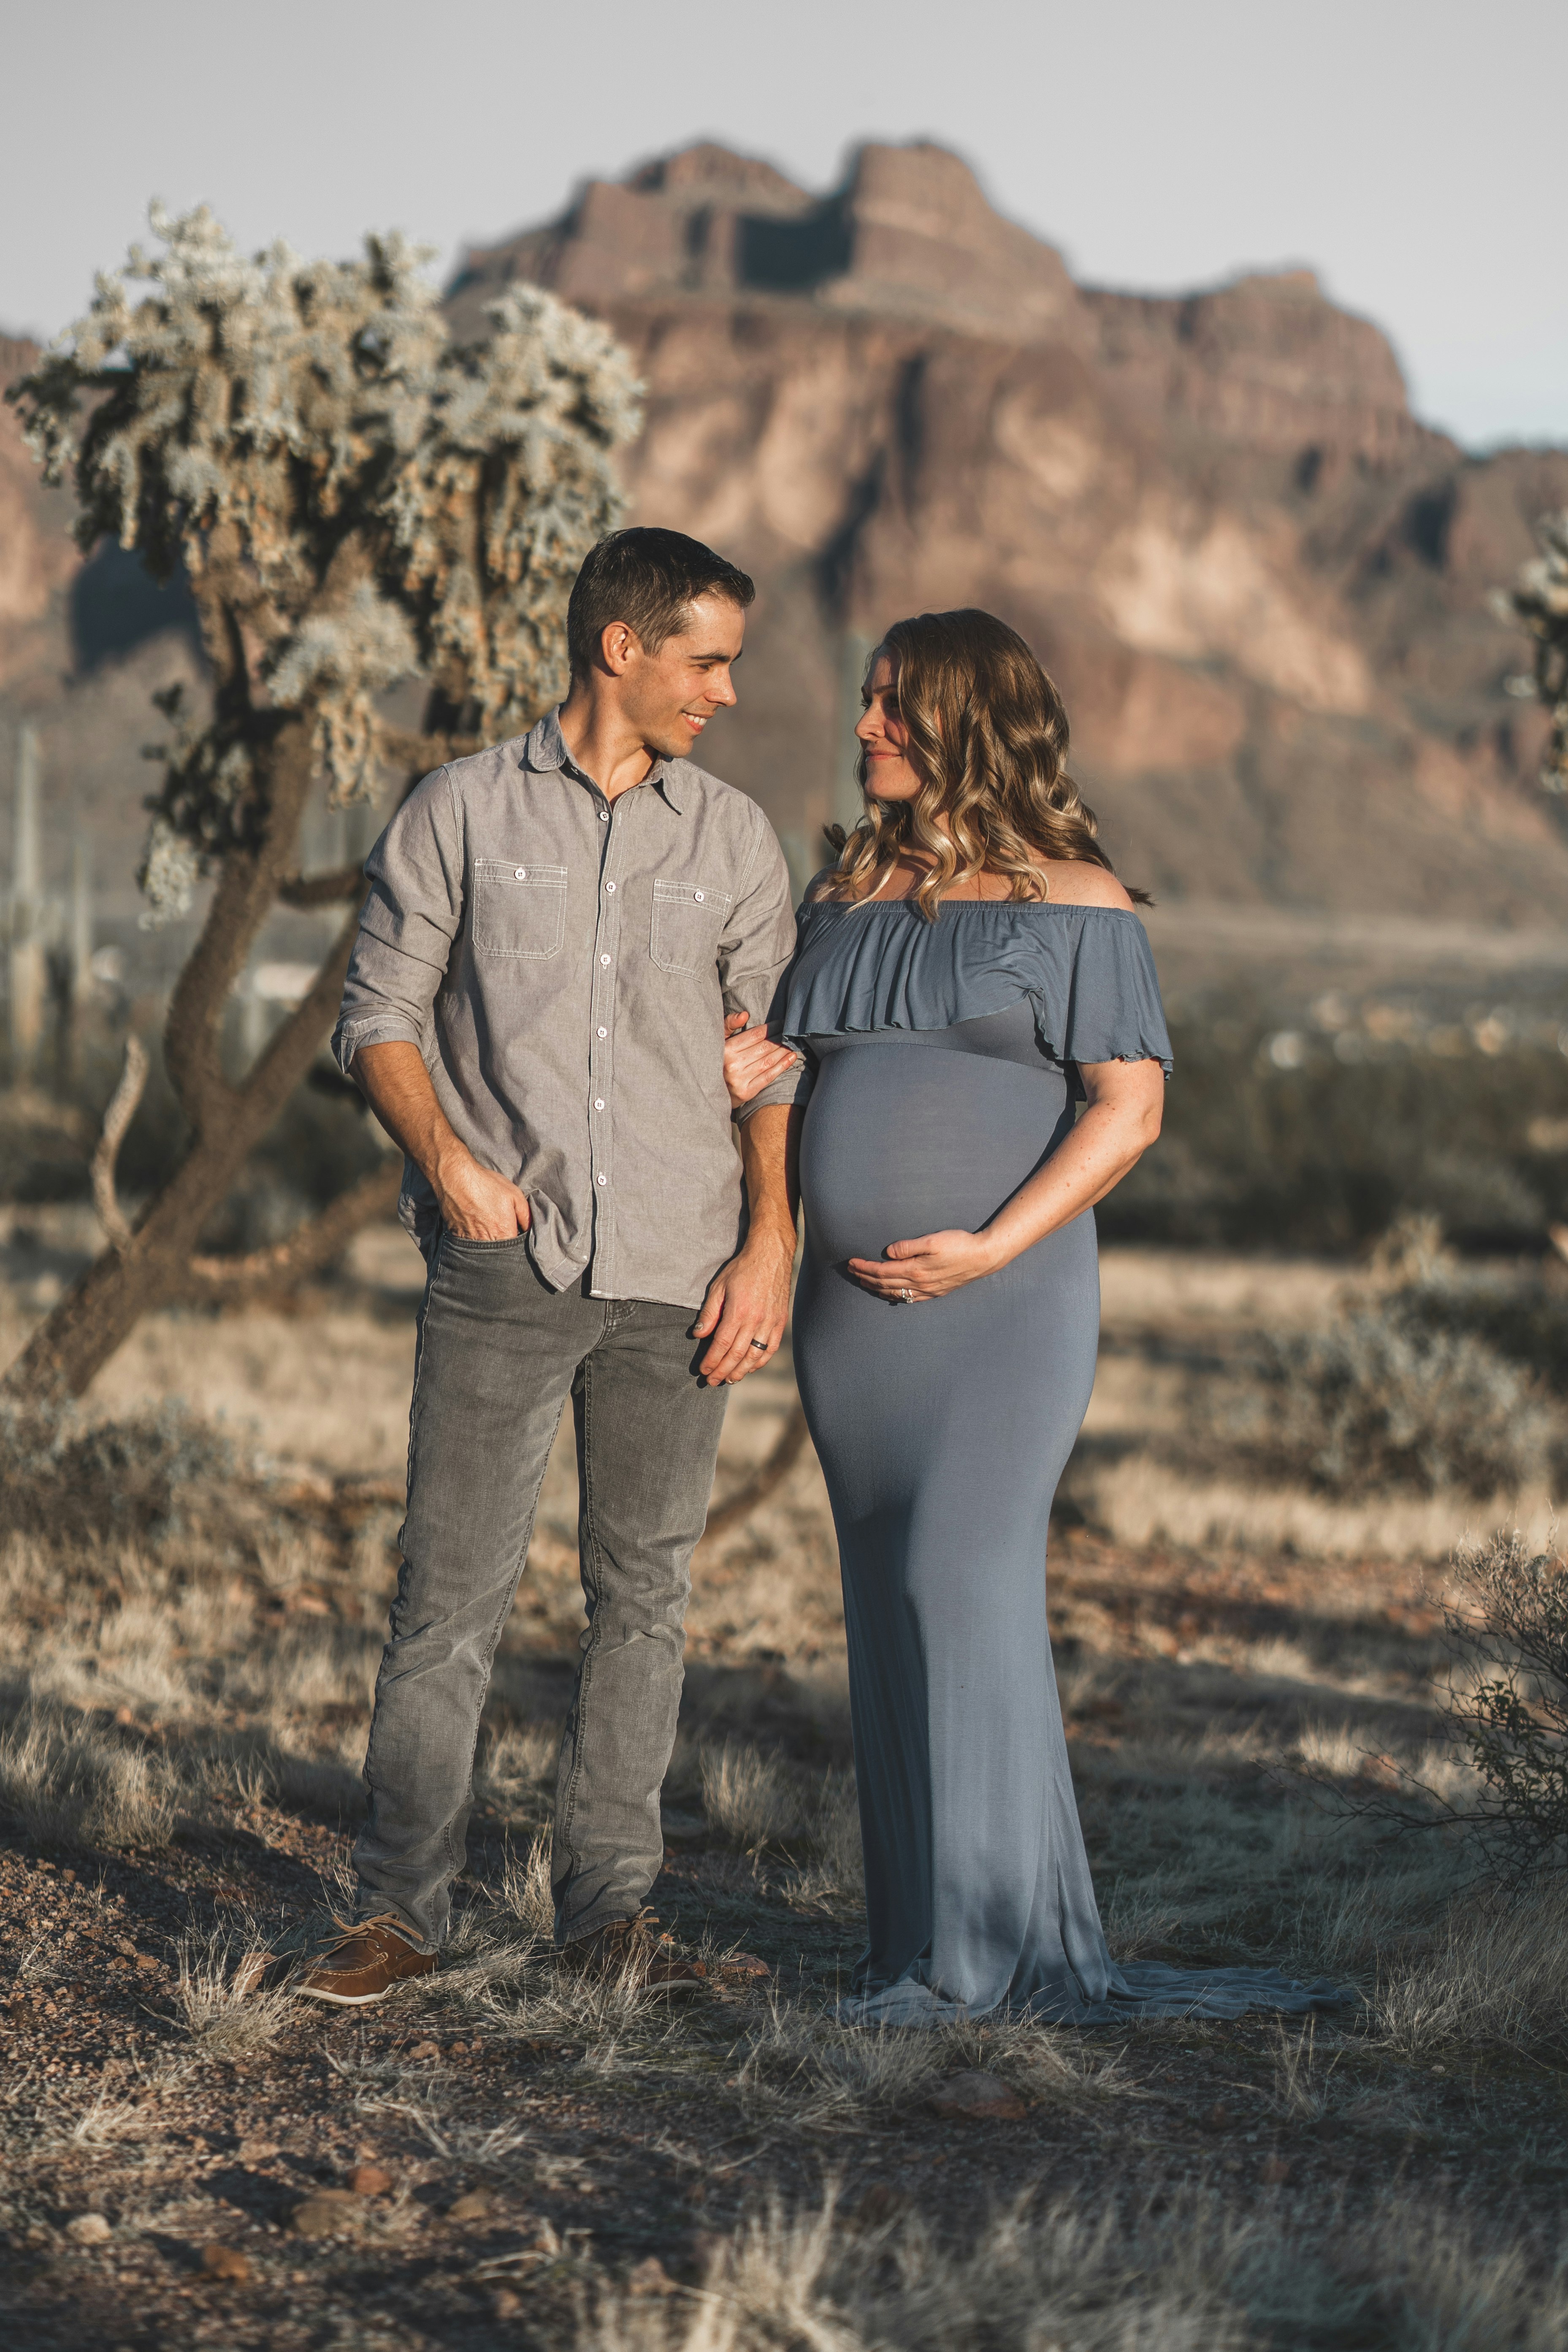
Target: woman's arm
(1120,1122)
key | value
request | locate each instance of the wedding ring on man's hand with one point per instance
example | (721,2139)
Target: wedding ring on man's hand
(759,1343)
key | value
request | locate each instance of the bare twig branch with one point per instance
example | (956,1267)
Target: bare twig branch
(121,1111)
(344,884)
(310,1247)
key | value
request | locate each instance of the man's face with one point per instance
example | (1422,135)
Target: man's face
(670,696)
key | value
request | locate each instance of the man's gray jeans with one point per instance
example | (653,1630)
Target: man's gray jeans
(499,1354)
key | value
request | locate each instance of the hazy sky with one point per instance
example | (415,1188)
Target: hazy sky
(1411,151)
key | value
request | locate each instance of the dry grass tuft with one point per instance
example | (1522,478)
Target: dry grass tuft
(70,1784)
(753,1799)
(1490,1973)
(104,2121)
(798,2065)
(833,1878)
(523,1889)
(1194,2279)
(228,2014)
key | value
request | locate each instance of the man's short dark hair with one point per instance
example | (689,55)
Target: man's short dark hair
(649,579)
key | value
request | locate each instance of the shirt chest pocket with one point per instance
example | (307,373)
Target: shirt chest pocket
(518,911)
(687,919)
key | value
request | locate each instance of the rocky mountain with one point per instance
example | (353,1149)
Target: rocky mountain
(1259,581)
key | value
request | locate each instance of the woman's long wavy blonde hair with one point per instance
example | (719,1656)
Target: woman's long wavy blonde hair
(988,738)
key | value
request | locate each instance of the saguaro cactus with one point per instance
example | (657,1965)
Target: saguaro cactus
(26,911)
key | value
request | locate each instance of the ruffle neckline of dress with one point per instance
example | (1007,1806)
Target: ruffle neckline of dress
(1092,983)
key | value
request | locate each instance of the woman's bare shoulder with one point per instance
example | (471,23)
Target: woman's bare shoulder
(1075,882)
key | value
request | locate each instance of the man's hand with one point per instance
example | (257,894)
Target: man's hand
(478,1204)
(746,1309)
(747,1304)
(751,1059)
(929,1267)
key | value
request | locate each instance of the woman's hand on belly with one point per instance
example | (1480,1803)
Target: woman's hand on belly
(929,1267)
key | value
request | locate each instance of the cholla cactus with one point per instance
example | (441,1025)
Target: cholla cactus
(355,497)
(1538,601)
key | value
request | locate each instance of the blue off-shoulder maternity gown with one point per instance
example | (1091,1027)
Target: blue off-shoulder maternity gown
(943,1056)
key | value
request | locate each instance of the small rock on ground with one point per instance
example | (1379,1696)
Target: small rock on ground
(88,2228)
(326,2214)
(472,2207)
(225,2263)
(974,2097)
(743,1967)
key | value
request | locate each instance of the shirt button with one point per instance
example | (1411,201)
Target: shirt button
(604,1033)
(600,1104)
(604,958)
(696,893)
(609,885)
(521,874)
(604,816)
(604,1180)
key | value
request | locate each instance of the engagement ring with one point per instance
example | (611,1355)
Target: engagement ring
(907,1298)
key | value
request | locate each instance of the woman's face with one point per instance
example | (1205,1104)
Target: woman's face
(884,737)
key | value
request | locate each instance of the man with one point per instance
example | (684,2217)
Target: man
(555,933)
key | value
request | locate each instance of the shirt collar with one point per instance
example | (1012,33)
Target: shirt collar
(544,748)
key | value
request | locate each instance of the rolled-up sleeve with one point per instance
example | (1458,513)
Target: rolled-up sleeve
(755,954)
(406,926)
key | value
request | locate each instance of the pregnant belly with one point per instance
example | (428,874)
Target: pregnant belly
(900,1141)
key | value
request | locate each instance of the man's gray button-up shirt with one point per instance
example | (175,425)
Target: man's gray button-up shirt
(565,965)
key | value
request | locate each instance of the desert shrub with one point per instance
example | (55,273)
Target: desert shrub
(1519,1313)
(1506,1619)
(1383,1401)
(1436,1374)
(1326,1156)
(72,1480)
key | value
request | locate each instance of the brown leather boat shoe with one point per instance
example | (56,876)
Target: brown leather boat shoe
(635,1952)
(362,1962)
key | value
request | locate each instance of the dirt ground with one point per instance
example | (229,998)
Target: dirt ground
(499,2156)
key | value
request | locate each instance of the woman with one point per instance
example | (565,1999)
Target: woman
(969,969)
